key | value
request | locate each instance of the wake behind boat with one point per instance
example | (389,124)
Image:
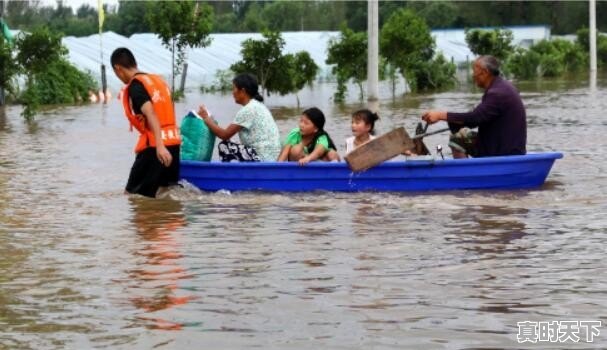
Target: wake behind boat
(506,172)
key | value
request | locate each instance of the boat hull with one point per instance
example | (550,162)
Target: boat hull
(510,172)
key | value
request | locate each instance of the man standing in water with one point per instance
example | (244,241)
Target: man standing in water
(500,117)
(148,106)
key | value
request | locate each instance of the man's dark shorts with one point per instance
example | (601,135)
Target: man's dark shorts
(466,141)
(148,174)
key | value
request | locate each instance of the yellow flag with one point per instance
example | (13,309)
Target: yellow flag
(101,14)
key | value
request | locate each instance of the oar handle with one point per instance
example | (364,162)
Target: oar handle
(429,133)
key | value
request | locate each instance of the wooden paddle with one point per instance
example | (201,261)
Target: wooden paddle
(384,147)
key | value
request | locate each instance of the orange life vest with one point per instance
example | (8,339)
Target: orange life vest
(162,103)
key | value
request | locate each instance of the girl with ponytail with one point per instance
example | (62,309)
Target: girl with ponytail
(309,141)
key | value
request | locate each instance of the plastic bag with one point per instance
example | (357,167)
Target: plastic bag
(197,141)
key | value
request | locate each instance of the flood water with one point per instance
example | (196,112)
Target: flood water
(83,266)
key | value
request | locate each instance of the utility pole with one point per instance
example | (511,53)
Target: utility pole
(592,38)
(372,53)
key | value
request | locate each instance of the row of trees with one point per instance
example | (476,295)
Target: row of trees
(407,49)
(284,15)
(547,58)
(406,45)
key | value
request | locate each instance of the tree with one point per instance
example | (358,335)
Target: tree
(496,42)
(406,43)
(277,73)
(51,79)
(299,70)
(437,14)
(8,66)
(348,54)
(261,57)
(181,24)
(38,49)
(131,18)
(405,39)
(547,58)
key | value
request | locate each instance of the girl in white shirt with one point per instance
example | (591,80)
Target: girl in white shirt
(363,123)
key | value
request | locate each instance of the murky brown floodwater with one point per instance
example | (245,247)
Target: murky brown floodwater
(83,266)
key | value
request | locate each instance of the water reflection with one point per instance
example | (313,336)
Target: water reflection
(488,229)
(155,281)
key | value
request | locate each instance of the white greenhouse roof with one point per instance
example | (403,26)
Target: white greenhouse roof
(224,50)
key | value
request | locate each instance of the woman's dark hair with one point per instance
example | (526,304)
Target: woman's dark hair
(123,57)
(317,118)
(368,117)
(248,82)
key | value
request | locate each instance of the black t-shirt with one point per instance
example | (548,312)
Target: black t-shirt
(138,95)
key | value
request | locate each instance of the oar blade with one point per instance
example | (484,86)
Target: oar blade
(380,149)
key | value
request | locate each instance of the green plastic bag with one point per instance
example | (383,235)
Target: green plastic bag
(197,141)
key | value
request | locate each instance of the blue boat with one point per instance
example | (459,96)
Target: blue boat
(508,172)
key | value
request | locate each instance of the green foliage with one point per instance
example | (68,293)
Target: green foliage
(286,15)
(433,74)
(277,73)
(222,82)
(348,54)
(180,24)
(583,38)
(496,42)
(303,70)
(261,57)
(8,66)
(547,58)
(523,63)
(437,13)
(61,83)
(602,51)
(51,79)
(130,18)
(406,43)
(39,49)
(405,40)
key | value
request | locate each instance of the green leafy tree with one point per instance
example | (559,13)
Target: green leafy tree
(130,18)
(261,57)
(496,42)
(277,73)
(50,78)
(406,43)
(38,49)
(547,58)
(180,24)
(300,71)
(348,54)
(583,39)
(523,64)
(434,74)
(304,70)
(8,66)
(437,14)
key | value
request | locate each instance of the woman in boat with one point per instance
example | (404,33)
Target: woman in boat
(254,124)
(309,141)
